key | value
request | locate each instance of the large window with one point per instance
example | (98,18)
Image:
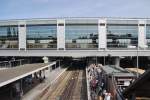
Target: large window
(122,35)
(9,37)
(81,35)
(42,36)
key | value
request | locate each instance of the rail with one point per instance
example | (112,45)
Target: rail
(68,92)
(67,87)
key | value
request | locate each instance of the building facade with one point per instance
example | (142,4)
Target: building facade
(75,34)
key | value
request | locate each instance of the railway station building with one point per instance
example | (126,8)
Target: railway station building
(75,37)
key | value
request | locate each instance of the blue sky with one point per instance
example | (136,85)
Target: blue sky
(18,9)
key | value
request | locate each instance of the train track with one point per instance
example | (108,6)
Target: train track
(70,86)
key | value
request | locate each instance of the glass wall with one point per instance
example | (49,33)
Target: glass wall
(9,37)
(122,35)
(42,36)
(148,34)
(80,34)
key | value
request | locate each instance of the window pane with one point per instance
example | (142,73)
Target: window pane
(42,36)
(8,36)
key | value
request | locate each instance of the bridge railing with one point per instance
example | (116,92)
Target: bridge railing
(13,63)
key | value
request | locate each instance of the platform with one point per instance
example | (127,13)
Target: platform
(12,74)
(51,77)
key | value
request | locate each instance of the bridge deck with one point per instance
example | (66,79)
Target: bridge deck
(74,53)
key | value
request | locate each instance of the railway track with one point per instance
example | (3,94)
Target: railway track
(70,86)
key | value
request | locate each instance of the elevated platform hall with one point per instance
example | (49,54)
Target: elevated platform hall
(76,37)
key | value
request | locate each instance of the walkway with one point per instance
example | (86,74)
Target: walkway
(50,78)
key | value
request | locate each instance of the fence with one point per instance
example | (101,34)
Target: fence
(13,63)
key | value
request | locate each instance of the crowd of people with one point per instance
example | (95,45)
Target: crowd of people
(97,81)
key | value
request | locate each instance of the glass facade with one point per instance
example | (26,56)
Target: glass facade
(42,36)
(9,37)
(122,35)
(81,35)
(148,34)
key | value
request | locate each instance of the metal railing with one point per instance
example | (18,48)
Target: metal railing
(8,45)
(117,95)
(81,46)
(41,45)
(121,45)
(13,63)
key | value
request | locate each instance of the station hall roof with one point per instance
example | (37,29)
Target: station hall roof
(117,71)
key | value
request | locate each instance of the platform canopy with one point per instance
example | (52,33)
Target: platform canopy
(13,74)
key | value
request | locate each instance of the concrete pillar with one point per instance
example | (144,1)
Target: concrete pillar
(102,32)
(45,59)
(60,34)
(22,35)
(142,34)
(117,61)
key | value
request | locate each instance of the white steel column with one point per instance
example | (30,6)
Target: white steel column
(22,35)
(102,32)
(60,34)
(142,34)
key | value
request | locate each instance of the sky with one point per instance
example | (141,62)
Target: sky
(19,9)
